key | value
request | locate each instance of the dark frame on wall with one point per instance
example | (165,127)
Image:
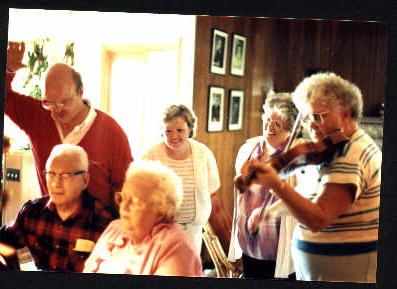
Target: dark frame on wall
(238,55)
(216,99)
(236,109)
(219,52)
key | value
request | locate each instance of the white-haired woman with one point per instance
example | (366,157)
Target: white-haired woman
(337,235)
(146,240)
(265,249)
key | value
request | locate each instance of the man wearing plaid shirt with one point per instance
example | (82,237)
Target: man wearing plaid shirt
(60,229)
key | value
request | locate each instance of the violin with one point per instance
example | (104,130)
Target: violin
(308,153)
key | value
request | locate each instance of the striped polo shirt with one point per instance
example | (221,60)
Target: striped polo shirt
(355,231)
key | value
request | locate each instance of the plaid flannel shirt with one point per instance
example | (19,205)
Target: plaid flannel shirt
(50,240)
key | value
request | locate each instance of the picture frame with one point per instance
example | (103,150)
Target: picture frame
(239,47)
(219,52)
(216,98)
(236,109)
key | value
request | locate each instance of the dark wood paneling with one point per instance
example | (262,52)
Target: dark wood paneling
(354,50)
(223,144)
(279,53)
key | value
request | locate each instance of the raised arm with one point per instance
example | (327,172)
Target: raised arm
(15,52)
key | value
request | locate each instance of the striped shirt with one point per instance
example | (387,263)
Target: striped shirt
(184,169)
(358,163)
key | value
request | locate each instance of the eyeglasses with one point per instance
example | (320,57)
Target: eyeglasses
(127,203)
(132,202)
(66,176)
(314,117)
(276,123)
(59,104)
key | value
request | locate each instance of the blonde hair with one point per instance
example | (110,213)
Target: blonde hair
(174,111)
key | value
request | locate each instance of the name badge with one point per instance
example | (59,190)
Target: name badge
(83,245)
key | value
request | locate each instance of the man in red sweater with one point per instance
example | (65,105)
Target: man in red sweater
(64,116)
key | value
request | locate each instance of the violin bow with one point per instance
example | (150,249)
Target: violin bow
(294,133)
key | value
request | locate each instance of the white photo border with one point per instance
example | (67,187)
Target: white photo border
(237,66)
(216,100)
(236,96)
(219,56)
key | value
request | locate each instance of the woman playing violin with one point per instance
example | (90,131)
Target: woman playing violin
(336,238)
(260,247)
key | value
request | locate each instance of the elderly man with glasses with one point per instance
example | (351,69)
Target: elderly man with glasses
(64,116)
(61,228)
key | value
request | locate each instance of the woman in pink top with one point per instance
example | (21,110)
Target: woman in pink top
(146,240)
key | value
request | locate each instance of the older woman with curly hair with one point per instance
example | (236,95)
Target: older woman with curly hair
(265,246)
(146,240)
(337,235)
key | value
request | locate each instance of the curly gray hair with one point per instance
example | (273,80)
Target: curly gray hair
(281,103)
(165,188)
(335,90)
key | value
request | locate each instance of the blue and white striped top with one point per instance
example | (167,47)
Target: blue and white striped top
(359,163)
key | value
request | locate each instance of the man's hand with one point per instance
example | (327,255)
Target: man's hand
(15,54)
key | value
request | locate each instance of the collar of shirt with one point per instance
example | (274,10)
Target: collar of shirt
(279,149)
(122,239)
(79,131)
(86,209)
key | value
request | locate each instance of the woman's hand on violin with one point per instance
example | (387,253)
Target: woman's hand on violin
(257,172)
(255,219)
(265,175)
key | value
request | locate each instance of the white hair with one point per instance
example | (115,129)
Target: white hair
(166,186)
(334,89)
(63,149)
(281,103)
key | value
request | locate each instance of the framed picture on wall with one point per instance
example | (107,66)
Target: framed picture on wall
(236,108)
(215,108)
(237,64)
(219,52)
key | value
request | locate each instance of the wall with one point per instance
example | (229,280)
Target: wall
(109,32)
(279,54)
(224,151)
(355,50)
